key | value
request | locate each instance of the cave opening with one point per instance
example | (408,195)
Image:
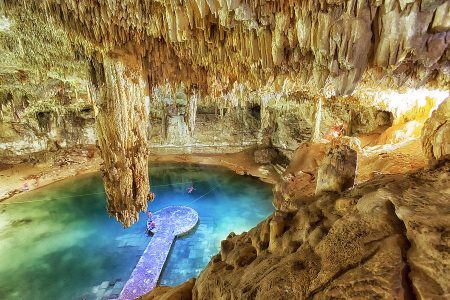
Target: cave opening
(44,119)
(255,111)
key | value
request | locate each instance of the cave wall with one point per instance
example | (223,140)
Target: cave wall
(231,130)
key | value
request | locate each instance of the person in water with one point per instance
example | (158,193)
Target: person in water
(190,189)
(149,215)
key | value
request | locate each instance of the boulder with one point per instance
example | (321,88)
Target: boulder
(338,170)
(299,178)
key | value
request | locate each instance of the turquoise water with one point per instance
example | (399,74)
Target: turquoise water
(58,242)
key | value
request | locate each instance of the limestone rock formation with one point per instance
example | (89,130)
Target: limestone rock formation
(121,96)
(422,205)
(265,156)
(223,75)
(370,242)
(182,292)
(326,46)
(300,177)
(436,133)
(338,170)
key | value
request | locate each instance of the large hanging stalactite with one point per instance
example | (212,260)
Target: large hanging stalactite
(121,93)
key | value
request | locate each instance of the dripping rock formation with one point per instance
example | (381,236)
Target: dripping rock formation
(120,94)
(141,79)
(276,73)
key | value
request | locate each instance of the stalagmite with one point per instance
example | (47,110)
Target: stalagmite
(121,96)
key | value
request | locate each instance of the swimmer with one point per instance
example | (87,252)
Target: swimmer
(149,215)
(190,189)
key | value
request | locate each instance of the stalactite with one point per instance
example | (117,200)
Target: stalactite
(197,42)
(192,112)
(121,95)
(317,118)
(164,122)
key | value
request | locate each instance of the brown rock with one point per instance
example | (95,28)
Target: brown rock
(422,203)
(299,178)
(338,170)
(436,133)
(181,292)
(388,240)
(265,156)
(121,96)
(307,158)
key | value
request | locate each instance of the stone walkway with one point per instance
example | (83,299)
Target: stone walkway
(171,222)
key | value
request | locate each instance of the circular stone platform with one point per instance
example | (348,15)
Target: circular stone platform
(177,219)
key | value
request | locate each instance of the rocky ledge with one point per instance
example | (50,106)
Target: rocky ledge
(387,238)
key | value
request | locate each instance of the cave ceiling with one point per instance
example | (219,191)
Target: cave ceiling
(326,48)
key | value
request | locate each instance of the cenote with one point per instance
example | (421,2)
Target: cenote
(58,242)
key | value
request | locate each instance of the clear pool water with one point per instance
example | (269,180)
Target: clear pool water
(58,242)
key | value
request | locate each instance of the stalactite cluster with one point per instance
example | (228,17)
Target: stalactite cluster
(324,45)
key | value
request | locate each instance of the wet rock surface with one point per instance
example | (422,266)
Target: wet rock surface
(372,242)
